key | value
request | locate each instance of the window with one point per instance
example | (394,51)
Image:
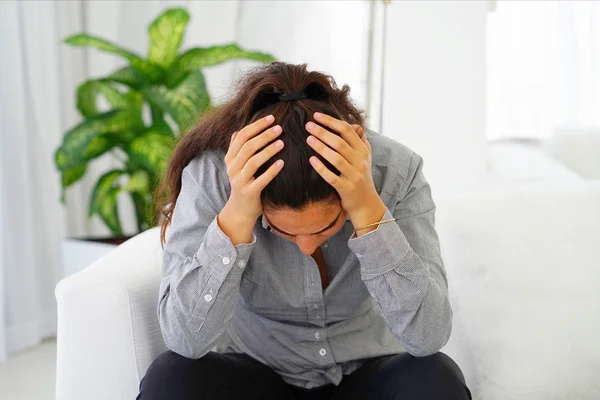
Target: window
(543,67)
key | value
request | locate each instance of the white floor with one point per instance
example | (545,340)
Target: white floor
(29,375)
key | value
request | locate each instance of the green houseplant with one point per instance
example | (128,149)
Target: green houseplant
(151,102)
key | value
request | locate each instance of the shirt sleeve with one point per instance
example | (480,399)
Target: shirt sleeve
(402,268)
(202,269)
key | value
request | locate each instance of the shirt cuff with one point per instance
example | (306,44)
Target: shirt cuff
(222,255)
(382,249)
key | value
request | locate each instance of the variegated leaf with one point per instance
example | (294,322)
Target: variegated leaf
(166,33)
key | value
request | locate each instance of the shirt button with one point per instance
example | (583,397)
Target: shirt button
(325,245)
(208,297)
(315,306)
(226,260)
(322,352)
(242,264)
(317,335)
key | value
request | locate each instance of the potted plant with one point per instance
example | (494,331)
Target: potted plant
(151,102)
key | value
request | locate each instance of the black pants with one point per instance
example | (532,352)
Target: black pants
(239,377)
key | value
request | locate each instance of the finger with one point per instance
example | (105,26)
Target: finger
(339,126)
(251,147)
(257,160)
(366,142)
(359,130)
(262,181)
(332,140)
(228,155)
(325,173)
(248,132)
(330,155)
(361,134)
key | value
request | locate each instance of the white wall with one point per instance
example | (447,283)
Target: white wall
(434,90)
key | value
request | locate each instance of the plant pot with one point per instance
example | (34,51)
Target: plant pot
(109,240)
(77,254)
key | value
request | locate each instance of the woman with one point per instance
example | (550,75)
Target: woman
(302,260)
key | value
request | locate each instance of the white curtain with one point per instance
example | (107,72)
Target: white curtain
(38,78)
(2,224)
(543,67)
(32,219)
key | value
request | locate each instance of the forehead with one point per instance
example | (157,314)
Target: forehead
(308,220)
(311,211)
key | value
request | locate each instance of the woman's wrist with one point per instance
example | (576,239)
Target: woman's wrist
(238,228)
(373,211)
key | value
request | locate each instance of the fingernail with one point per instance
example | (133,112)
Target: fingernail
(270,118)
(279,144)
(318,115)
(311,140)
(277,129)
(310,126)
(279,163)
(313,161)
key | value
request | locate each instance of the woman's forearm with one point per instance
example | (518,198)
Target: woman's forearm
(235,226)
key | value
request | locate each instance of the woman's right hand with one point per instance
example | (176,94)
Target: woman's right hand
(244,205)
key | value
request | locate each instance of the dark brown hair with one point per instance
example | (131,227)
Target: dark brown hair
(256,96)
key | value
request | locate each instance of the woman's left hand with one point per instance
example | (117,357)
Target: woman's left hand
(350,153)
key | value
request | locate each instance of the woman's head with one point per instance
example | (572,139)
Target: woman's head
(308,227)
(298,193)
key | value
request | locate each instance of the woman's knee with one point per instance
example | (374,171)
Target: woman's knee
(172,374)
(433,377)
(438,365)
(439,375)
(170,364)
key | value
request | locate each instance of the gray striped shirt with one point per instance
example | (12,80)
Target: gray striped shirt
(388,291)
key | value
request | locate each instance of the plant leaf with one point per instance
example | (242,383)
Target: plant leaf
(127,76)
(151,150)
(156,112)
(162,127)
(133,164)
(138,187)
(109,212)
(104,185)
(166,33)
(135,99)
(186,102)
(70,176)
(140,206)
(146,69)
(138,182)
(174,77)
(201,57)
(88,140)
(87,96)
(104,200)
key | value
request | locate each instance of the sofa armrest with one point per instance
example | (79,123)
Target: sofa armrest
(108,331)
(524,280)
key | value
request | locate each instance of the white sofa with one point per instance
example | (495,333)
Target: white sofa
(524,273)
